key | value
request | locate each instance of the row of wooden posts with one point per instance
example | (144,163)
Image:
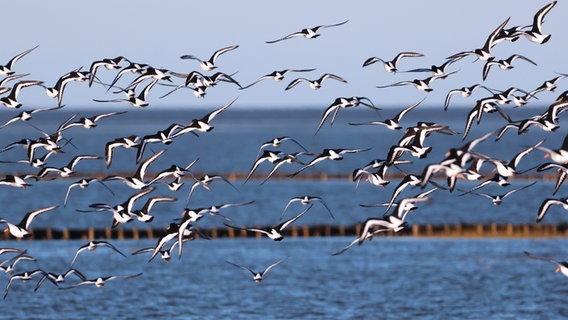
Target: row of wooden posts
(457,231)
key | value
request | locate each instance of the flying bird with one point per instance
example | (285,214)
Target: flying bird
(315,84)
(535,34)
(208,65)
(258,276)
(308,33)
(22,229)
(92,245)
(6,70)
(390,66)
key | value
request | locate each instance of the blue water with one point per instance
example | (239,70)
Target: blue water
(388,278)
(385,278)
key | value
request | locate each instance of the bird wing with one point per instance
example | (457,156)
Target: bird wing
(25,223)
(213,114)
(16,58)
(295,34)
(287,222)
(142,168)
(295,82)
(220,52)
(332,76)
(272,266)
(406,110)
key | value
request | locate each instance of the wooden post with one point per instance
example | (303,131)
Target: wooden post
(135,234)
(91,234)
(429,230)
(65,234)
(341,230)
(108,233)
(459,230)
(150,233)
(230,232)
(120,234)
(415,230)
(294,232)
(479,230)
(306,231)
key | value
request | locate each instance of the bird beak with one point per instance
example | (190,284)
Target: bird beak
(557,269)
(547,155)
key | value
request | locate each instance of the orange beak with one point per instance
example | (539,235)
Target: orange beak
(547,155)
(557,269)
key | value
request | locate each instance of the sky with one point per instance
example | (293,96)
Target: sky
(71,34)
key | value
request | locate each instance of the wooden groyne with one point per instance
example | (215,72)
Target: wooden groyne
(428,230)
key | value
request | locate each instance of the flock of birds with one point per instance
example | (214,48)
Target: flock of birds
(460,163)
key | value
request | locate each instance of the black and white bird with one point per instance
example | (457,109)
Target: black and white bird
(561,266)
(483,53)
(58,278)
(137,101)
(101,281)
(164,136)
(306,200)
(562,173)
(9,265)
(68,169)
(328,154)
(497,199)
(315,84)
(6,70)
(393,123)
(108,63)
(274,232)
(464,91)
(267,155)
(547,203)
(343,103)
(420,84)
(22,229)
(559,155)
(277,142)
(137,181)
(143,214)
(205,181)
(203,124)
(208,65)
(88,122)
(11,101)
(92,246)
(258,276)
(535,34)
(59,88)
(130,142)
(23,276)
(308,33)
(25,115)
(506,64)
(277,75)
(84,183)
(390,66)
(122,213)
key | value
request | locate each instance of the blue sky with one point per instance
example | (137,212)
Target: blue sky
(71,34)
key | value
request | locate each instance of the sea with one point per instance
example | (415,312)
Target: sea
(388,277)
